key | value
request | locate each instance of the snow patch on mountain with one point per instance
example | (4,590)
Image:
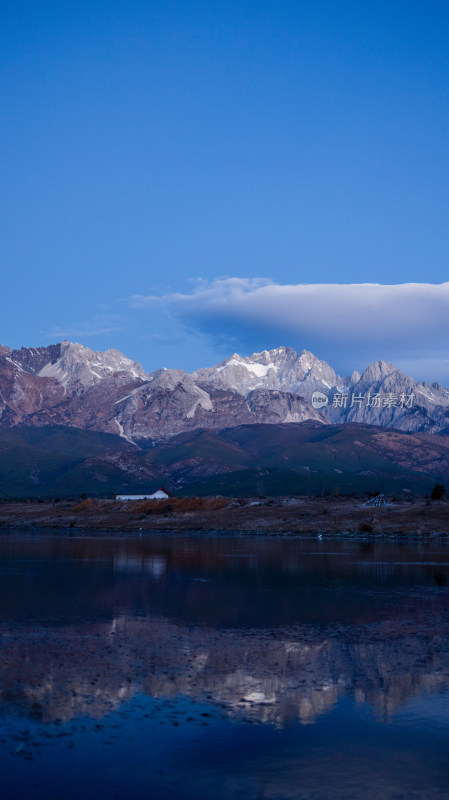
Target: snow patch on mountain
(68,384)
(257,369)
(15,364)
(279,369)
(54,371)
(203,401)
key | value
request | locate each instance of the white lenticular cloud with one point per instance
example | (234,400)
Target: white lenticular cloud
(369,320)
(338,310)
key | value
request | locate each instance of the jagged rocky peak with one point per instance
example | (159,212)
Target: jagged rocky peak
(313,374)
(353,378)
(279,369)
(75,364)
(33,359)
(307,360)
(169,378)
(378,371)
(244,373)
(68,384)
(266,358)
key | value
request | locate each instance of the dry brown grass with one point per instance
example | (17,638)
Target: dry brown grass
(84,505)
(176,504)
(299,515)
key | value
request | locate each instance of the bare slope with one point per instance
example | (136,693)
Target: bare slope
(256,459)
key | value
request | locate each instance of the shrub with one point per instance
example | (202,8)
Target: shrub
(438,491)
(365,527)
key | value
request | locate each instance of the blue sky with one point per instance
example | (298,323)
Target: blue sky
(151,152)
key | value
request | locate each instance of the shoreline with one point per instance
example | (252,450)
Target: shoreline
(324,536)
(271,517)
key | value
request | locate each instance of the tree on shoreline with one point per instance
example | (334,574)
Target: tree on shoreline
(438,491)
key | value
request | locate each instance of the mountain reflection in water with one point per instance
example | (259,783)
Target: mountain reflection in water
(270,631)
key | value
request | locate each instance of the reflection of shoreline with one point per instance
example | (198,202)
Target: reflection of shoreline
(266,675)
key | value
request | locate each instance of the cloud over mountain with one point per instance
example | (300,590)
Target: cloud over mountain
(403,321)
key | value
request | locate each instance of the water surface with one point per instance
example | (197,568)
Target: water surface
(223,667)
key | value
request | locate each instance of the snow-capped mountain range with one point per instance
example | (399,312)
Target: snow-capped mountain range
(68,384)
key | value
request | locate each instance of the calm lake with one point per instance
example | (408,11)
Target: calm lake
(223,667)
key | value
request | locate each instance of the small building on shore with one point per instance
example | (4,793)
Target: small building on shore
(158,494)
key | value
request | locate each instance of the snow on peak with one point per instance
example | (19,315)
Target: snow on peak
(260,369)
(251,366)
(249,363)
(231,362)
(281,369)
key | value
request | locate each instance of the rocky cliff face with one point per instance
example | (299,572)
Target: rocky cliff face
(282,369)
(22,393)
(381,395)
(68,384)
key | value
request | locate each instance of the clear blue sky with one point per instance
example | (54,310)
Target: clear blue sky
(146,144)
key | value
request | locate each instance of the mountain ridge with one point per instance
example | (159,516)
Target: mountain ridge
(69,384)
(246,460)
